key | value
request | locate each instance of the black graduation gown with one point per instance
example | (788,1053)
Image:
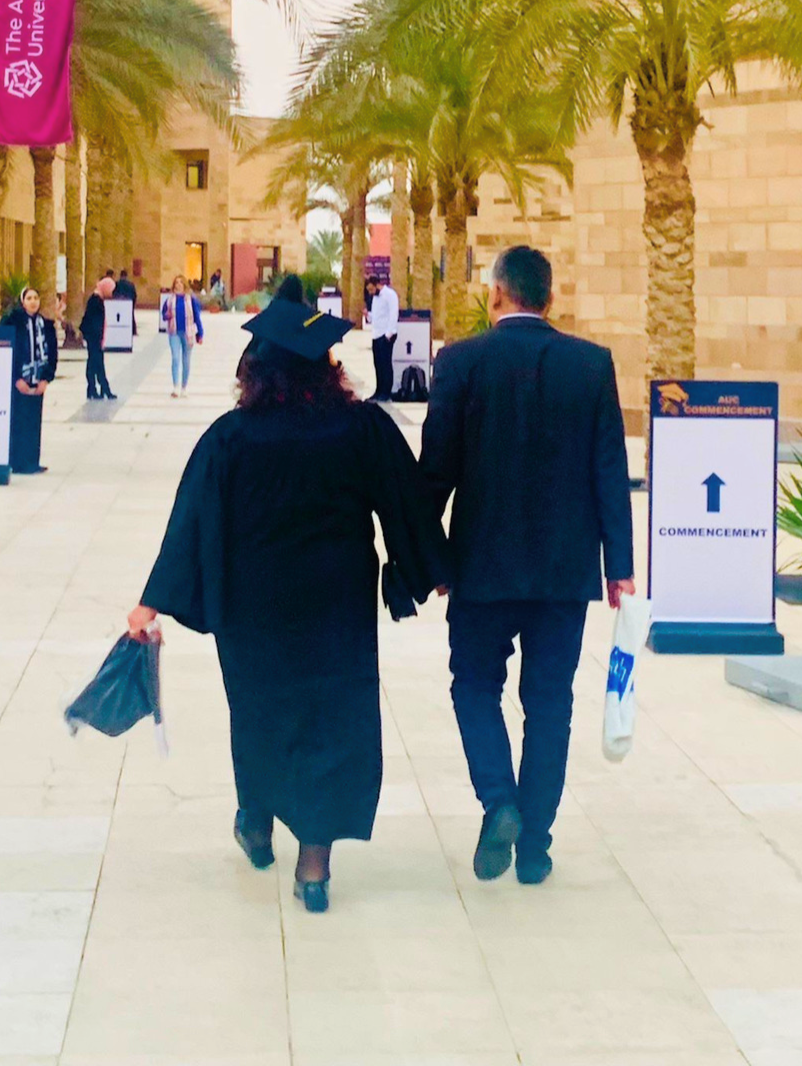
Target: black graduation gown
(26,411)
(270,547)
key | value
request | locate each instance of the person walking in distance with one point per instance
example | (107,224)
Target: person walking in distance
(182,313)
(384,323)
(93,328)
(525,426)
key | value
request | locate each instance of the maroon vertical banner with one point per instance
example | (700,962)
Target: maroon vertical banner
(35,43)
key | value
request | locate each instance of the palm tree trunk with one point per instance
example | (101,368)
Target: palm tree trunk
(75,244)
(456,266)
(359,252)
(108,220)
(5,171)
(94,210)
(422,202)
(348,251)
(43,260)
(128,219)
(399,251)
(668,226)
(117,203)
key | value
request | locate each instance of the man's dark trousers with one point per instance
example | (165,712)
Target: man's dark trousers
(96,379)
(481,637)
(383,365)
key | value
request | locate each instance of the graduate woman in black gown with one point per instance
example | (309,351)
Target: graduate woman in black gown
(35,357)
(270,547)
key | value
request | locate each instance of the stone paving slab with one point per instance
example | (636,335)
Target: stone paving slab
(134,933)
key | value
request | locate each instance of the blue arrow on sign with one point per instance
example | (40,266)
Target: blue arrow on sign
(713,484)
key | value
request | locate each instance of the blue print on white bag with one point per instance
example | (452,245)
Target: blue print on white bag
(621,666)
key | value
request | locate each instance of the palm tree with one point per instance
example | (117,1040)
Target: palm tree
(427,88)
(320,170)
(324,253)
(649,60)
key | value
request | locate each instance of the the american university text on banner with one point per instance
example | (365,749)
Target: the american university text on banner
(35,42)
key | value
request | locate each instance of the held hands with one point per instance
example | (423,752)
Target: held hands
(139,619)
(617,589)
(41,388)
(25,388)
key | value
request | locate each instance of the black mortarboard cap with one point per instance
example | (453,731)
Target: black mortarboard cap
(298,329)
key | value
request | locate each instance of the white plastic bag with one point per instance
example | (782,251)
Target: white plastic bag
(629,639)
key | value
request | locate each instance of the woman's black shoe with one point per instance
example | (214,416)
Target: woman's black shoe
(93,396)
(260,854)
(109,395)
(314,895)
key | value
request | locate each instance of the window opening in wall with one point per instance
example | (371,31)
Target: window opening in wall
(195,265)
(197,177)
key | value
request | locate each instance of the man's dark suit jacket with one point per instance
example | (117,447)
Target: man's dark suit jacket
(525,424)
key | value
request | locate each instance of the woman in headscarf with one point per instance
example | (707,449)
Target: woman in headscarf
(182,313)
(270,548)
(93,328)
(35,359)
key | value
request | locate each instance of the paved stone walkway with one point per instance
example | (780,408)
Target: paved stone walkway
(133,932)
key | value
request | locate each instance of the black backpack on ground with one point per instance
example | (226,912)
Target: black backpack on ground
(413,386)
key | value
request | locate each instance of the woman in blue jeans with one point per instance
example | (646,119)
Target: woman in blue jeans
(182,313)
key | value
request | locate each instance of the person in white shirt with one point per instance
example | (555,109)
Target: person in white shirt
(384,323)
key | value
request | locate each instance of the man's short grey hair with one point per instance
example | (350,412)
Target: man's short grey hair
(525,276)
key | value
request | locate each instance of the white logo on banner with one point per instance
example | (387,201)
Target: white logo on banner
(23,79)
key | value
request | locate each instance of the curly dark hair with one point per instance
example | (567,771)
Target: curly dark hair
(272,378)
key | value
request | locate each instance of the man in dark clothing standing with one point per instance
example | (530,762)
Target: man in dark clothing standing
(525,426)
(126,290)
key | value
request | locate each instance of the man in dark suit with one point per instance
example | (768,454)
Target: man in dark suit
(126,290)
(525,426)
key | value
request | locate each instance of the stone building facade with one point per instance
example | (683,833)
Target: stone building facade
(208,215)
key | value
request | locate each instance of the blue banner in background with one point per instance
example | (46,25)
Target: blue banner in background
(714,399)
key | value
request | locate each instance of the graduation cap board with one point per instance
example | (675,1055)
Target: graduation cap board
(298,329)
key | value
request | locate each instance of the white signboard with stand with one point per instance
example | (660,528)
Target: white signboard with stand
(712,528)
(6,385)
(330,303)
(413,346)
(119,334)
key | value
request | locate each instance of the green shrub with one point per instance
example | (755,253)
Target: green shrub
(259,298)
(11,287)
(789,512)
(479,315)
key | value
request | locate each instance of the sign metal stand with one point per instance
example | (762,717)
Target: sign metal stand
(6,387)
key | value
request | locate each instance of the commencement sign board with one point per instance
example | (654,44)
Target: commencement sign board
(712,526)
(413,346)
(119,335)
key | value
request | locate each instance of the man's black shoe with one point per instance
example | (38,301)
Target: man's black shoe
(532,867)
(258,850)
(500,830)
